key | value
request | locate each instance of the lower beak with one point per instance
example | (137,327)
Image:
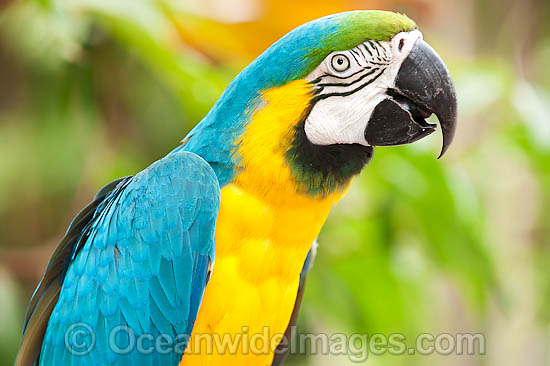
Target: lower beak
(423,87)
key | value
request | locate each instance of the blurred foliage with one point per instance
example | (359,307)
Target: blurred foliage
(94,90)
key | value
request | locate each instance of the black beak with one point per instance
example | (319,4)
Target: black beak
(423,87)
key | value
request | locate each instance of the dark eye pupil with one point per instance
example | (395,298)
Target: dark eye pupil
(340,61)
(401,44)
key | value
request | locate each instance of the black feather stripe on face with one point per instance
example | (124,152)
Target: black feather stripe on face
(322,94)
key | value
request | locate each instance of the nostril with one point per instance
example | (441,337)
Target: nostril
(401,44)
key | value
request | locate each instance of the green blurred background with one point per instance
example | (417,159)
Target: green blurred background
(95,90)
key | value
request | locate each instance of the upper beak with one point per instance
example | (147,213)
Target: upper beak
(423,86)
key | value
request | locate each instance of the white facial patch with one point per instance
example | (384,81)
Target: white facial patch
(350,84)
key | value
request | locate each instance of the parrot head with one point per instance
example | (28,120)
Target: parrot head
(314,105)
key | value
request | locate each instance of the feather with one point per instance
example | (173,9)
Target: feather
(127,259)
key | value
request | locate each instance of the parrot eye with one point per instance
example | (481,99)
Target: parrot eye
(340,63)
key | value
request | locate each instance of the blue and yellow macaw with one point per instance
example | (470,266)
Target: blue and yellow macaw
(251,185)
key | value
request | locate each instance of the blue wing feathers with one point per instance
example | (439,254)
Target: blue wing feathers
(199,277)
(141,261)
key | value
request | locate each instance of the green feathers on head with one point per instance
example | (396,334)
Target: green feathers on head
(359,26)
(345,31)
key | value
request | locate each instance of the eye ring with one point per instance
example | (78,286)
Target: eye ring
(340,63)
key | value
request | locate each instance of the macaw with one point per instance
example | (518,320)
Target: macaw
(251,186)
